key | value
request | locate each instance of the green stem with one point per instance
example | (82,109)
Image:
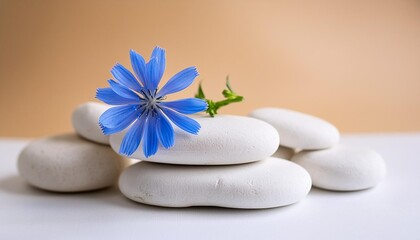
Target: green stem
(228,93)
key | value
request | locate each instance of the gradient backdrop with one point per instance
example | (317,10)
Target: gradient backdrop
(354,63)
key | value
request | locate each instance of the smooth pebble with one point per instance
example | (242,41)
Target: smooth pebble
(343,168)
(299,130)
(264,184)
(68,163)
(85,120)
(222,140)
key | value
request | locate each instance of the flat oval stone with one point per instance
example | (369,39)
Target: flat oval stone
(222,140)
(264,184)
(343,168)
(85,120)
(67,163)
(284,153)
(299,130)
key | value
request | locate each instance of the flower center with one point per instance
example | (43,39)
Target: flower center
(150,102)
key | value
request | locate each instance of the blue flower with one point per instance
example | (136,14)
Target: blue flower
(142,107)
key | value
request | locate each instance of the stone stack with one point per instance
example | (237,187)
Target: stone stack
(269,159)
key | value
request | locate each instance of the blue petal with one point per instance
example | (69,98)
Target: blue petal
(107,95)
(186,105)
(185,123)
(117,119)
(165,131)
(139,66)
(122,90)
(150,141)
(179,82)
(132,138)
(152,80)
(160,55)
(125,77)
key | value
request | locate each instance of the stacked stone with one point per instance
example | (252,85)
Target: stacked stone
(227,164)
(73,162)
(313,143)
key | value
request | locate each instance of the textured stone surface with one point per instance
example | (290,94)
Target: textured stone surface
(85,121)
(299,130)
(343,168)
(68,163)
(264,184)
(222,140)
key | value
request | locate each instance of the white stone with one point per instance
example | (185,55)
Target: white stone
(299,130)
(68,163)
(343,168)
(85,120)
(284,153)
(264,184)
(222,140)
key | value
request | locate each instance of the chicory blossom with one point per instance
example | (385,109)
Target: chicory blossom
(141,106)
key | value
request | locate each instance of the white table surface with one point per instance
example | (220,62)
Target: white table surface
(389,211)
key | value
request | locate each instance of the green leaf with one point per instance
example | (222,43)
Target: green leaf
(200,93)
(228,83)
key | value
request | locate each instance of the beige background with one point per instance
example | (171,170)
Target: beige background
(354,63)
